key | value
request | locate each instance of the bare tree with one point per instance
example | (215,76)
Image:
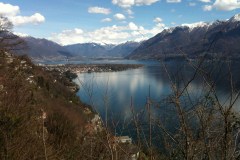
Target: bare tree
(9,42)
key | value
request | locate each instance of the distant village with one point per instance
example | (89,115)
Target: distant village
(89,68)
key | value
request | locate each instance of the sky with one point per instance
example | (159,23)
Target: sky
(109,21)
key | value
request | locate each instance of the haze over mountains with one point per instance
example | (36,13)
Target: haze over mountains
(219,38)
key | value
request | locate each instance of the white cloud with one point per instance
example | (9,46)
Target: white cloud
(68,36)
(146,33)
(129,11)
(130,3)
(173,1)
(78,31)
(205,1)
(145,2)
(21,20)
(72,32)
(124,3)
(113,34)
(8,9)
(12,13)
(132,26)
(99,10)
(158,28)
(119,16)
(207,7)
(157,20)
(223,5)
(21,34)
(106,20)
(226,5)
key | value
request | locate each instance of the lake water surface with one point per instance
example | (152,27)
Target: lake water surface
(119,92)
(115,89)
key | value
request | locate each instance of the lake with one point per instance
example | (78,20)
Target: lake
(120,93)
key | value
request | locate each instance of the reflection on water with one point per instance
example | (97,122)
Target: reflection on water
(114,90)
(119,87)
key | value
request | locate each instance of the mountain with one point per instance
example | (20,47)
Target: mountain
(124,49)
(88,49)
(220,38)
(44,49)
(102,50)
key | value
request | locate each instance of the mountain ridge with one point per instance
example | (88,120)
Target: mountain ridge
(44,49)
(99,50)
(219,38)
(41,48)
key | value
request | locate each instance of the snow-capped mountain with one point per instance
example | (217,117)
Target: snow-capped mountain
(87,49)
(220,38)
(124,49)
(193,26)
(102,50)
(235,18)
(43,49)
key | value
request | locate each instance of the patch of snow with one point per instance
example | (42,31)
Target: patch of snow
(195,25)
(169,30)
(235,18)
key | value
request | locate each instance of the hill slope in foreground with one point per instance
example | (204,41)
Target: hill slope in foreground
(41,118)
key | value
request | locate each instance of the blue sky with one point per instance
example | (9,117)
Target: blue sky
(109,21)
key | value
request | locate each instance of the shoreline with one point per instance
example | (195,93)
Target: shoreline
(90,68)
(70,71)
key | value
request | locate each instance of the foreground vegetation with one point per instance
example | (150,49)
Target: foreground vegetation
(41,118)
(37,119)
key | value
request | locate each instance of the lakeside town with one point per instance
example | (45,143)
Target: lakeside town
(89,68)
